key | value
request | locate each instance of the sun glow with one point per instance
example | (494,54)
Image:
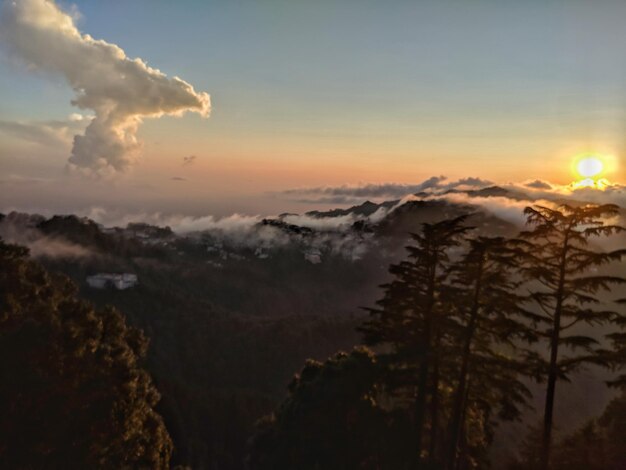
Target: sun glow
(590,169)
(601,183)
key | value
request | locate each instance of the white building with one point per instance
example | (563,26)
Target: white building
(117,281)
(313,256)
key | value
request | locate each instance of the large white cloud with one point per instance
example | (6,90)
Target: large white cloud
(121,91)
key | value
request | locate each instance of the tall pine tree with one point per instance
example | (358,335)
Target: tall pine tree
(491,321)
(410,316)
(561,264)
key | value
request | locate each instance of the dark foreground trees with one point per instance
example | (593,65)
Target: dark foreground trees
(412,321)
(448,325)
(491,324)
(598,445)
(453,335)
(444,371)
(72,394)
(332,419)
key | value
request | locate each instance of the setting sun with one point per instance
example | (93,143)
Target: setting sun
(590,167)
(591,171)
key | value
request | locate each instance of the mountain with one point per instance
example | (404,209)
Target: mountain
(366,209)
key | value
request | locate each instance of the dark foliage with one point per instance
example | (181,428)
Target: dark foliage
(332,419)
(560,263)
(451,358)
(72,393)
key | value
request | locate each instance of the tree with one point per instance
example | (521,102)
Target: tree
(483,293)
(558,259)
(72,393)
(597,445)
(410,316)
(616,355)
(331,420)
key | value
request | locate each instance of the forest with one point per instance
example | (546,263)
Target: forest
(471,330)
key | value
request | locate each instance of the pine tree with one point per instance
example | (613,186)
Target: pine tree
(410,318)
(491,322)
(560,262)
(616,355)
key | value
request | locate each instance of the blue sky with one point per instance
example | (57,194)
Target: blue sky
(325,92)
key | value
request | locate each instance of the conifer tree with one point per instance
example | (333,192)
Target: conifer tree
(483,293)
(410,317)
(616,355)
(561,264)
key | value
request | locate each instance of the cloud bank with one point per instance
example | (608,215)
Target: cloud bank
(330,235)
(614,193)
(347,194)
(120,91)
(45,133)
(349,234)
(439,185)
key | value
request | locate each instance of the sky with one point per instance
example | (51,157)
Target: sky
(302,95)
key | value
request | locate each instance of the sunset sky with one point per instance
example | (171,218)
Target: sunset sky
(303,94)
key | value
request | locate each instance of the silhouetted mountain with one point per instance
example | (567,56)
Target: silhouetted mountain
(289,228)
(365,209)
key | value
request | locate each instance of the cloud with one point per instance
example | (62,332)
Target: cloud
(75,117)
(330,194)
(507,209)
(19,180)
(465,184)
(21,229)
(322,224)
(189,160)
(614,193)
(538,184)
(178,178)
(439,185)
(542,193)
(367,190)
(120,91)
(332,235)
(46,133)
(179,223)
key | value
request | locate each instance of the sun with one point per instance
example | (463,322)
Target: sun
(589,167)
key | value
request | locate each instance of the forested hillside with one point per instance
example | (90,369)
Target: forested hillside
(230,324)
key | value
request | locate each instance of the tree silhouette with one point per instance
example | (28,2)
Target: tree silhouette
(72,394)
(331,420)
(491,321)
(450,335)
(597,445)
(616,355)
(410,318)
(558,260)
